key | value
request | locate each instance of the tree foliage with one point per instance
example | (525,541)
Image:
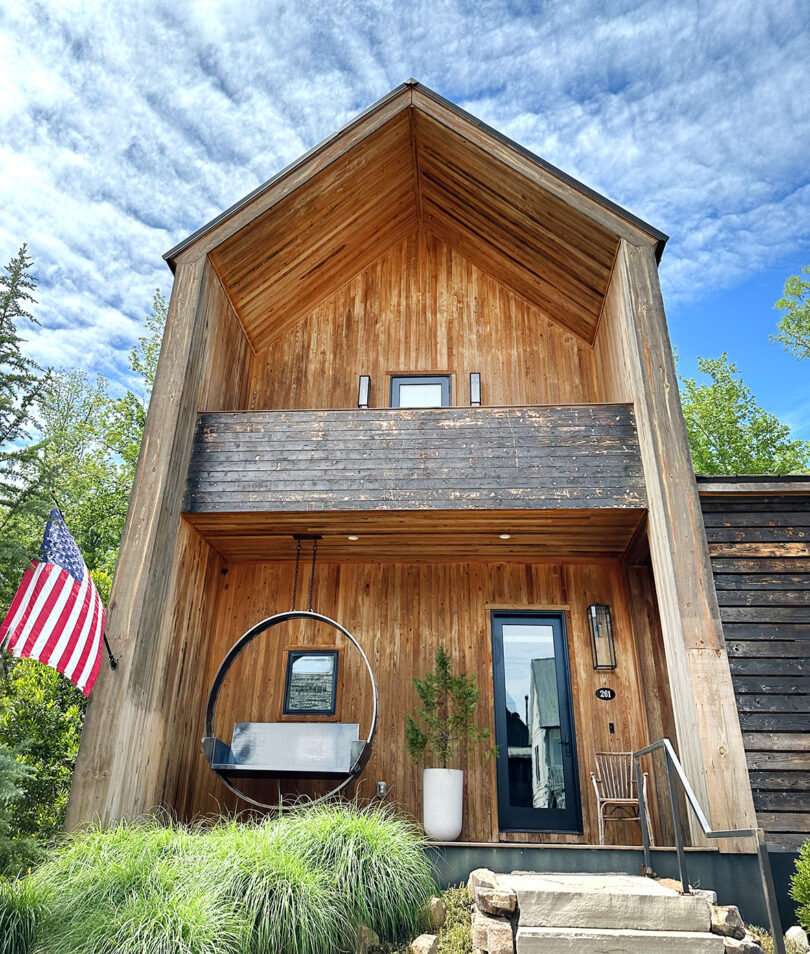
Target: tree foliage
(729,433)
(40,722)
(446,714)
(22,382)
(22,386)
(794,325)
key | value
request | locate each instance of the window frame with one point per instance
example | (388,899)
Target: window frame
(397,380)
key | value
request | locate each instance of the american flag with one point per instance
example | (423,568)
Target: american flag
(57,616)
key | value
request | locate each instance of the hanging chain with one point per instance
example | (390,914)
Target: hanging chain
(312,575)
(297,564)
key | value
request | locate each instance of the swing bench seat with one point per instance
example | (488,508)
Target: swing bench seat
(287,749)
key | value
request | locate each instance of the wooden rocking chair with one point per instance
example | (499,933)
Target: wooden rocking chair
(615,784)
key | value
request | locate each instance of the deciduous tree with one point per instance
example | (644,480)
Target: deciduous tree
(794,325)
(729,433)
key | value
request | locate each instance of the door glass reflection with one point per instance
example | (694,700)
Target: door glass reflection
(532,717)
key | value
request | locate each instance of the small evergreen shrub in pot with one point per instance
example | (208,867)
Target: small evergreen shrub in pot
(444,720)
(800,885)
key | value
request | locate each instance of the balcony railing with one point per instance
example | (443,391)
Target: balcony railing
(477,458)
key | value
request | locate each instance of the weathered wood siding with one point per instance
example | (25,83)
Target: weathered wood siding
(158,616)
(400,612)
(760,549)
(422,306)
(634,357)
(439,459)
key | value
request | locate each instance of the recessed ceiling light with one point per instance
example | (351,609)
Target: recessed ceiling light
(505,536)
(352,536)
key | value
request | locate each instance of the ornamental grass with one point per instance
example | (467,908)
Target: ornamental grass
(304,883)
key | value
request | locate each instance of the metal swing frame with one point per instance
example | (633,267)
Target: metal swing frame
(214,748)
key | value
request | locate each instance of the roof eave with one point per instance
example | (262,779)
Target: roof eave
(660,237)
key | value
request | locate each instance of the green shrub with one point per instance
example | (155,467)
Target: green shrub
(376,859)
(20,913)
(800,885)
(290,904)
(132,888)
(300,884)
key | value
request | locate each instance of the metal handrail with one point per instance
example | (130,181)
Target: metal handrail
(675,773)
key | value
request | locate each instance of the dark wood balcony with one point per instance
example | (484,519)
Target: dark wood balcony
(481,458)
(415,483)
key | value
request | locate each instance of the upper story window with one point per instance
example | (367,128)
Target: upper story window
(420,390)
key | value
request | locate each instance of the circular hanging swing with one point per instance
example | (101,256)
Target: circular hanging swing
(262,750)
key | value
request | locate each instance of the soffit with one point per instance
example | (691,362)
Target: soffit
(421,537)
(415,169)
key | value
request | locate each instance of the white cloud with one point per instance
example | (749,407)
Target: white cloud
(125,126)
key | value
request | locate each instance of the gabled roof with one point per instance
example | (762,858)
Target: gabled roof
(414,160)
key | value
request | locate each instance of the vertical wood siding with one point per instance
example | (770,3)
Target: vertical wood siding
(423,307)
(400,613)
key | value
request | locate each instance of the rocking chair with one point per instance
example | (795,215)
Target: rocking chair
(615,785)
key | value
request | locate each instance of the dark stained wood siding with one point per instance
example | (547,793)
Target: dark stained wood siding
(760,549)
(439,459)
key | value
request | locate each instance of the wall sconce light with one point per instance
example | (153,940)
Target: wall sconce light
(604,651)
(475,389)
(363,390)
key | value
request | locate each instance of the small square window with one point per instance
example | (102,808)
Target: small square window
(420,390)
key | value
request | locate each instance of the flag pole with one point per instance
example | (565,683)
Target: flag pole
(112,659)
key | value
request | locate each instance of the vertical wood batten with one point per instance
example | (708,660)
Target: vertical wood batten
(705,713)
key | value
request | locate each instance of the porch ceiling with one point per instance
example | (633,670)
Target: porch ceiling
(412,171)
(419,537)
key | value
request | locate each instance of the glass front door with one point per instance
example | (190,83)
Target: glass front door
(537,764)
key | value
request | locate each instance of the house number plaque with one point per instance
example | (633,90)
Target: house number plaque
(605,693)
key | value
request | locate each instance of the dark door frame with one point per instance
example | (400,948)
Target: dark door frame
(517,819)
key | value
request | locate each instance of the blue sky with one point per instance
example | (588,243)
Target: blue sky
(125,126)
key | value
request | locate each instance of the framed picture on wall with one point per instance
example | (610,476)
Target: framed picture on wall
(311,684)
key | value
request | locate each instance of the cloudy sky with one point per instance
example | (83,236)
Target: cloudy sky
(124,127)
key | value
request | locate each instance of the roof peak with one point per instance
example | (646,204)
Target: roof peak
(415,87)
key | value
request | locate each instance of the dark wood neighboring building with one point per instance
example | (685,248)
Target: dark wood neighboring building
(758,530)
(551,472)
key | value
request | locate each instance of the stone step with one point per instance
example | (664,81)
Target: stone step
(560,940)
(606,902)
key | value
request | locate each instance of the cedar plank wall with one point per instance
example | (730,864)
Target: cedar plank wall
(423,307)
(399,613)
(760,549)
(635,361)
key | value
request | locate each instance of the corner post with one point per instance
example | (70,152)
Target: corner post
(705,710)
(116,774)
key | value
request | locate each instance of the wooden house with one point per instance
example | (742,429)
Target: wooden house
(448,362)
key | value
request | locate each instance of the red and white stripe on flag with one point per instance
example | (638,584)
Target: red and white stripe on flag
(57,616)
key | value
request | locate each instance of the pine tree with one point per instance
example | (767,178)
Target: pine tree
(22,382)
(447,713)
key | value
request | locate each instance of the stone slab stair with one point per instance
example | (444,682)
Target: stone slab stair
(606,914)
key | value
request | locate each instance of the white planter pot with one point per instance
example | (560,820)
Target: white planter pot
(442,803)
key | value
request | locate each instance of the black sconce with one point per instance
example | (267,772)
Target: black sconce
(604,652)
